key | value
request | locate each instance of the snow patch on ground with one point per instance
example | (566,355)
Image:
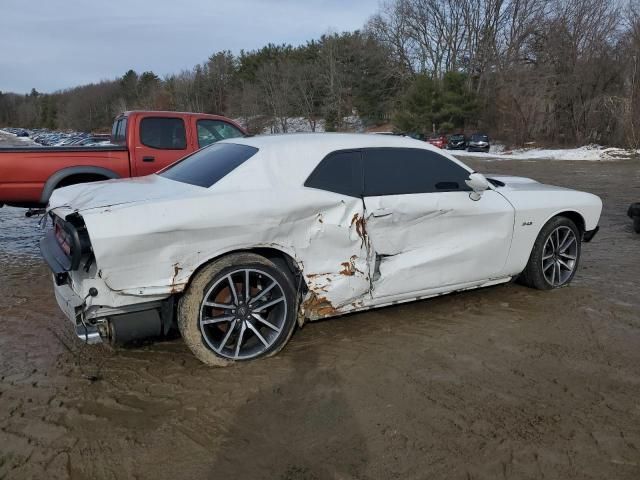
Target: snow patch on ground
(301,125)
(15,138)
(588,153)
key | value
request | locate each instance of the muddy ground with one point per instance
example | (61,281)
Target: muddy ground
(504,382)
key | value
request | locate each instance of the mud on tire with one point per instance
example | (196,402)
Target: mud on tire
(210,313)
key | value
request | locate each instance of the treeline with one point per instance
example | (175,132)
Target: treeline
(559,72)
(329,79)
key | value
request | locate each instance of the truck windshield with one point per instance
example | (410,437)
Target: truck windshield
(208,165)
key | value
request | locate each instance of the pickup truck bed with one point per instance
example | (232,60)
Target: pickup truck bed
(42,169)
(141,144)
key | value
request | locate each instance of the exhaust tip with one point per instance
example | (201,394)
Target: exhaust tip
(88,334)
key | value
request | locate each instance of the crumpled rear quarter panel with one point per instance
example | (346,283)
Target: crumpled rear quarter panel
(318,229)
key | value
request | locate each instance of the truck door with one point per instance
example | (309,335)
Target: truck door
(161,141)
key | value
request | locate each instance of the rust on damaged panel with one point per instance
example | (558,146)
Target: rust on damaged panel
(318,306)
(361,228)
(176,270)
(349,268)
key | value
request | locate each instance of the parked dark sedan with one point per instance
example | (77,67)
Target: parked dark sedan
(479,142)
(457,142)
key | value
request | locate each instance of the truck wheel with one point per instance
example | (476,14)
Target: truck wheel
(636,224)
(241,307)
(555,256)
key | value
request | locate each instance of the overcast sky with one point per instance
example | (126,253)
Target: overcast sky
(55,44)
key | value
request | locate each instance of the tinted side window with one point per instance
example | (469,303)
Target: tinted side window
(398,171)
(211,131)
(119,131)
(163,133)
(338,172)
(205,167)
(114,130)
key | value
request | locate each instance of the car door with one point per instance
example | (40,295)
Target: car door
(425,230)
(162,141)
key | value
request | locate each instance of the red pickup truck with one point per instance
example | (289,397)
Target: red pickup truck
(142,142)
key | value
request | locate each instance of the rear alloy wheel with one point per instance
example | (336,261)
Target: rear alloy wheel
(555,255)
(241,307)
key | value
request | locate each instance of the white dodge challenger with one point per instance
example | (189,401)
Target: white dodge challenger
(243,239)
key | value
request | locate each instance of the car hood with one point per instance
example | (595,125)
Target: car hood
(86,196)
(521,183)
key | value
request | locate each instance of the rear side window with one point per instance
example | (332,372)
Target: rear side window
(400,171)
(211,131)
(119,132)
(338,172)
(208,165)
(163,133)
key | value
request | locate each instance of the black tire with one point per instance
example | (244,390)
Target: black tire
(533,275)
(189,306)
(636,224)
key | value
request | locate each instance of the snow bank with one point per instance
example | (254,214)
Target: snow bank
(301,125)
(588,153)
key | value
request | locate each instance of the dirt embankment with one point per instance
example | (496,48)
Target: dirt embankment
(504,382)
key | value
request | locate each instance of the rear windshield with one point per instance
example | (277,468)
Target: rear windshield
(208,165)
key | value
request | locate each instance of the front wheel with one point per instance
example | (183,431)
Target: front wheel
(240,307)
(555,256)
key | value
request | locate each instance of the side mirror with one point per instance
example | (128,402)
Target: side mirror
(478,183)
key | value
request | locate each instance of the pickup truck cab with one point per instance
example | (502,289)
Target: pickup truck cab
(142,142)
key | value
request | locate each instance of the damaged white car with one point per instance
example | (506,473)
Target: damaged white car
(243,239)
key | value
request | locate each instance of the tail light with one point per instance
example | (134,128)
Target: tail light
(73,239)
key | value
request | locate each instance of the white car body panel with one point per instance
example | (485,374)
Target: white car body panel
(420,252)
(535,204)
(149,235)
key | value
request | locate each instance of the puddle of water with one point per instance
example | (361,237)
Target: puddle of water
(18,235)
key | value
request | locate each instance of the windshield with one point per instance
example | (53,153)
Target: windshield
(208,165)
(480,138)
(457,137)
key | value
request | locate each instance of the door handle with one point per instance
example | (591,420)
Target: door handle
(381,212)
(148,159)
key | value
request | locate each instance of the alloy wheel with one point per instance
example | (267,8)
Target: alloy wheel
(560,256)
(243,314)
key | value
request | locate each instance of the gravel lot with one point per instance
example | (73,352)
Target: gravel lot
(504,382)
